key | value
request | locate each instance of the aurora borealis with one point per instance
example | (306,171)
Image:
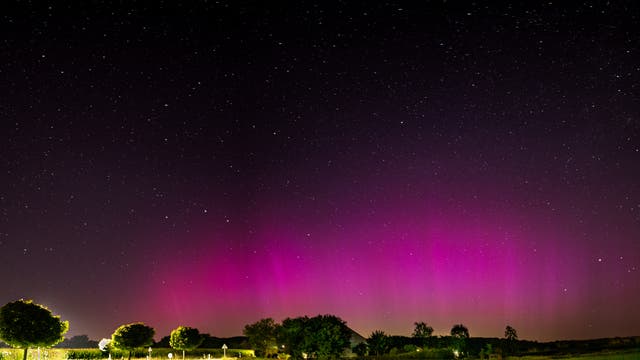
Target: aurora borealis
(213,164)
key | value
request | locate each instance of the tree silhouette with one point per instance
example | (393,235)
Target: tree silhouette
(421,330)
(262,336)
(460,331)
(330,335)
(459,334)
(378,343)
(322,336)
(360,349)
(132,336)
(185,338)
(291,334)
(511,336)
(510,333)
(24,324)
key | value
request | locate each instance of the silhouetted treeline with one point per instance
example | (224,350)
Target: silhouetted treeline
(212,342)
(474,345)
(578,346)
(78,342)
(404,344)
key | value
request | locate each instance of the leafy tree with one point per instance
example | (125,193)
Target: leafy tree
(291,334)
(24,324)
(164,342)
(511,336)
(77,342)
(360,349)
(185,338)
(407,348)
(378,343)
(422,331)
(510,333)
(323,336)
(262,336)
(460,331)
(132,336)
(459,334)
(486,351)
(330,335)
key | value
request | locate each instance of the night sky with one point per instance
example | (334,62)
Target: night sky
(212,163)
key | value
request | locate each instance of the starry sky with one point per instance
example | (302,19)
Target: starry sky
(211,163)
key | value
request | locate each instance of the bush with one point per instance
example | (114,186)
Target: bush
(92,354)
(201,353)
(85,354)
(410,348)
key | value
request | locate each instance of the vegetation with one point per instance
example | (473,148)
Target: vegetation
(571,350)
(511,336)
(185,338)
(209,342)
(89,354)
(422,331)
(77,342)
(460,331)
(141,353)
(132,336)
(378,343)
(262,336)
(323,336)
(360,349)
(460,334)
(510,333)
(24,324)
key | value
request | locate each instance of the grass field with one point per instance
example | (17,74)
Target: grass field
(205,354)
(156,354)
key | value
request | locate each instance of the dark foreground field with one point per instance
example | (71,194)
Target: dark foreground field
(205,354)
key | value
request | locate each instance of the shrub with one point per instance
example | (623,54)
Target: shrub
(409,348)
(85,354)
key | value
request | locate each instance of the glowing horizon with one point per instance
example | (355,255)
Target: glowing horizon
(214,163)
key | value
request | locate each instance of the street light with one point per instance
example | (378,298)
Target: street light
(224,350)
